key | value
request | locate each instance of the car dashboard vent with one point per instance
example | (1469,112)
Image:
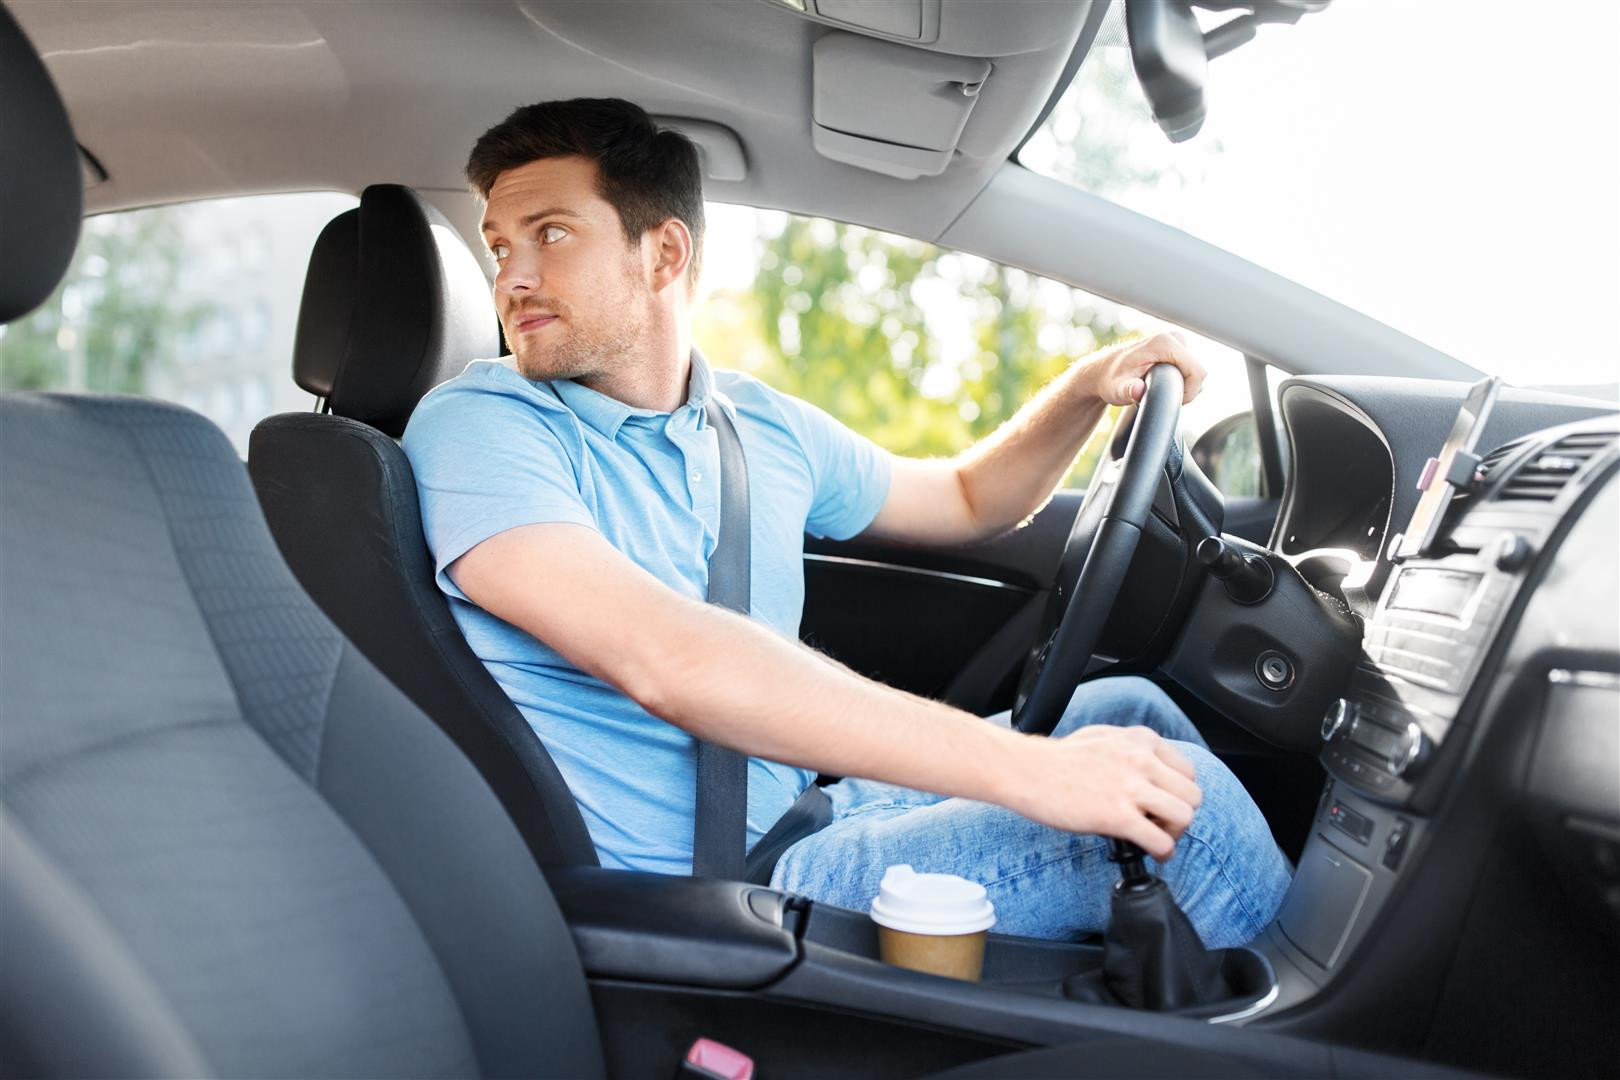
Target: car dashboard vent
(1463,496)
(1491,460)
(1542,477)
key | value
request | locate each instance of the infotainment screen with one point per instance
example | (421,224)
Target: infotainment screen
(1420,532)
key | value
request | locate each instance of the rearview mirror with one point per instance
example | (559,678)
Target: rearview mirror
(1171,53)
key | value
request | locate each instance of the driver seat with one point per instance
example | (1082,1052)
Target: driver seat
(394,303)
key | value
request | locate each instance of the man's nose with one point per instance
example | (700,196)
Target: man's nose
(518,275)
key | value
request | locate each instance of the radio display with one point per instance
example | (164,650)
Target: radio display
(1437,592)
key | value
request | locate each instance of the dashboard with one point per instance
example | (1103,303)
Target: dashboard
(1472,794)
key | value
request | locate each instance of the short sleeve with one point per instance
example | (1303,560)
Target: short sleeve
(487,460)
(850,471)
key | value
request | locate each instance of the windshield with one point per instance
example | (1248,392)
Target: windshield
(1450,168)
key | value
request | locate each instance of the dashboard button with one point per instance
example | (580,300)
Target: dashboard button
(1511,552)
(1414,754)
(1336,721)
(1395,843)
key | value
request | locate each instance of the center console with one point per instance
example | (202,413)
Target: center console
(1390,743)
(798,987)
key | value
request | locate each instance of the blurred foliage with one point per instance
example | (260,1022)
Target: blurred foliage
(851,319)
(113,322)
(922,350)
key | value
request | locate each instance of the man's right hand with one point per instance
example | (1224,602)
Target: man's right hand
(1124,782)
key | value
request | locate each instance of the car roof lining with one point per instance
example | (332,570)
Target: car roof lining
(182,101)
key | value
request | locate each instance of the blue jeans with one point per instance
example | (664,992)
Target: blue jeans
(1227,873)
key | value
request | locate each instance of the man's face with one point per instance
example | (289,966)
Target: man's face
(571,293)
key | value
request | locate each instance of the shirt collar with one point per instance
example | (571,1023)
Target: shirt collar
(607,415)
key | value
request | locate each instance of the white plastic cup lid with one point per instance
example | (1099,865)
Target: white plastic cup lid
(938,904)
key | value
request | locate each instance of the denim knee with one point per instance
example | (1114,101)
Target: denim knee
(1127,701)
(1228,871)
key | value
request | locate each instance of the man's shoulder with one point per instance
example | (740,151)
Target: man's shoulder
(495,378)
(488,389)
(755,399)
(489,395)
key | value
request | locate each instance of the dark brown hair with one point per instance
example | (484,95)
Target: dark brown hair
(646,173)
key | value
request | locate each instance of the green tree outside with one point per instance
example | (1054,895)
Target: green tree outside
(114,321)
(839,316)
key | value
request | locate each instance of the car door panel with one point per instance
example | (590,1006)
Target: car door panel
(950,623)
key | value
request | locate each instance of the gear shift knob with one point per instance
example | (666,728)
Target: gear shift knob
(1132,861)
(1152,956)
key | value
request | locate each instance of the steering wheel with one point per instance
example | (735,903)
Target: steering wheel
(1103,540)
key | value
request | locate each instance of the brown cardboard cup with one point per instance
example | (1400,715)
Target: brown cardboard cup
(932,922)
(955,956)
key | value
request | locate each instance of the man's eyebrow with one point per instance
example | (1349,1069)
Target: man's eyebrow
(529,219)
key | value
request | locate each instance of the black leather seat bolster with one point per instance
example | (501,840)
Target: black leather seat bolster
(341,501)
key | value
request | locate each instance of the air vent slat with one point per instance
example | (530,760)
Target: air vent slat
(1543,477)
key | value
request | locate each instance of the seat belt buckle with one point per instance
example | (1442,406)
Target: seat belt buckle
(710,1060)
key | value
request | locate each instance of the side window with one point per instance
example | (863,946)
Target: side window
(196,303)
(921,349)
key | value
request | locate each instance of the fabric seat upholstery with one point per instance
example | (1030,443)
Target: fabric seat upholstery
(198,768)
(394,303)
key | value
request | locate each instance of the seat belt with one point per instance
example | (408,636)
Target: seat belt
(720,831)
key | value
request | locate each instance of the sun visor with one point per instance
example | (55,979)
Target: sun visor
(890,108)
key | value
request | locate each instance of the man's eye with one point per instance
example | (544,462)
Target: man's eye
(552,233)
(500,251)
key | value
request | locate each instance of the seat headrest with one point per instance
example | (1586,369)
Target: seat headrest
(41,189)
(394,304)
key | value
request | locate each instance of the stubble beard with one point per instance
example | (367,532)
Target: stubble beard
(579,351)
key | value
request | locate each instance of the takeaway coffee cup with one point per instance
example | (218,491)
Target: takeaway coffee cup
(932,922)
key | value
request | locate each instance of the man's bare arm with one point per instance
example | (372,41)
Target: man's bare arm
(729,680)
(1006,477)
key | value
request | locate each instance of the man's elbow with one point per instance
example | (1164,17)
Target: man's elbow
(642,679)
(976,522)
(657,670)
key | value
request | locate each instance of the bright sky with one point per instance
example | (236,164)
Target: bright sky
(1451,167)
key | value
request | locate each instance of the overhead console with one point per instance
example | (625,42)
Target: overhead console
(889,108)
(895,82)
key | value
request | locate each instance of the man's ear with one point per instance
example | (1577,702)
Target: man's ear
(671,248)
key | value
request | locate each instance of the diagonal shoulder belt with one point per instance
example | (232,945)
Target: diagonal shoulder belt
(720,832)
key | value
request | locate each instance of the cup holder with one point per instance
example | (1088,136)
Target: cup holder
(1050,969)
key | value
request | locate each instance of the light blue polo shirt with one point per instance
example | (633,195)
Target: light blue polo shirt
(493,450)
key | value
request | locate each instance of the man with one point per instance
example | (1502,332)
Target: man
(569,495)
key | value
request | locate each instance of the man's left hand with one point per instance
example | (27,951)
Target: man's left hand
(1119,374)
